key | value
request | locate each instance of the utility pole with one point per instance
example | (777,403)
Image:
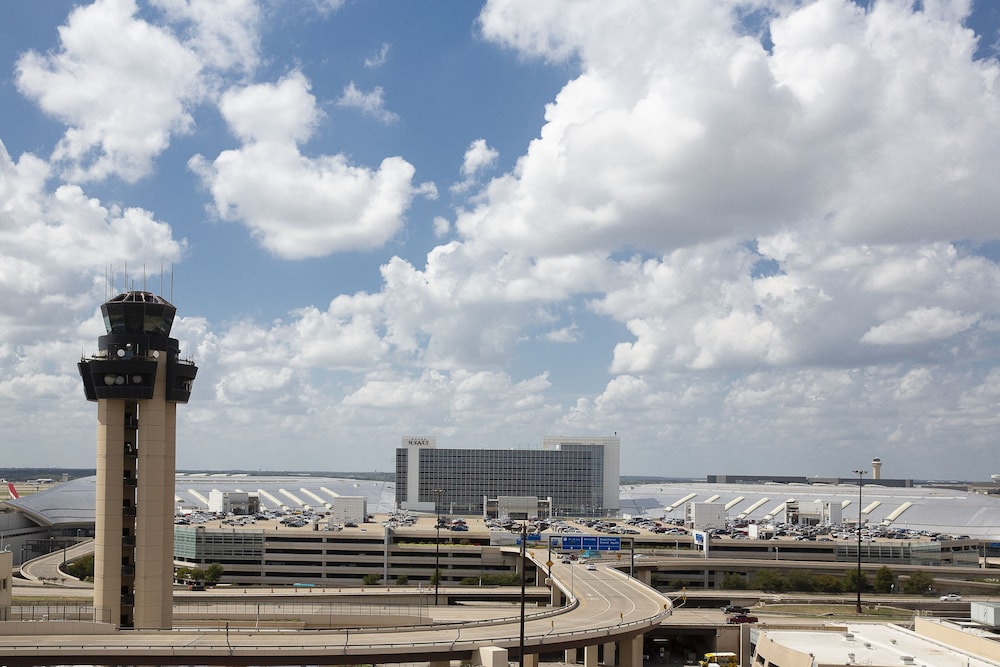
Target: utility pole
(524,567)
(437,542)
(860,473)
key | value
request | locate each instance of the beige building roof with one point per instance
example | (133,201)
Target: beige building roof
(872,645)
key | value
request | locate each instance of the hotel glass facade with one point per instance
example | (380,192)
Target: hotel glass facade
(574,472)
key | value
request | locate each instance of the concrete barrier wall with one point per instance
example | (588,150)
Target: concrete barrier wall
(56,628)
(955,636)
(300,621)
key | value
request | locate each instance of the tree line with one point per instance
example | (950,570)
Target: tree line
(797,581)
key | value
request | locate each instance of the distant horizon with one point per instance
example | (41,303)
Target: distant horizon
(31,472)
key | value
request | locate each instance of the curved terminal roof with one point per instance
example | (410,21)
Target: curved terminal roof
(67,504)
(917,508)
(72,503)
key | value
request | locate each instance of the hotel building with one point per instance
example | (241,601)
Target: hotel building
(569,476)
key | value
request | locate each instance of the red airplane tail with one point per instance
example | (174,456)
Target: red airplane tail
(12,491)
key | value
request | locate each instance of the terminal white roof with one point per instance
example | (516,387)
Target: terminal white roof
(284,492)
(918,508)
(73,503)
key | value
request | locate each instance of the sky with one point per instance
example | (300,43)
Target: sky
(746,236)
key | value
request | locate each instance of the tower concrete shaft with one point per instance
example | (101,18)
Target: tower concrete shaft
(137,380)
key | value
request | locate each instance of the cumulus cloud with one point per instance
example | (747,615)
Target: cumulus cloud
(295,205)
(371,103)
(224,33)
(96,85)
(277,366)
(442,226)
(124,85)
(687,312)
(568,334)
(299,207)
(478,157)
(466,308)
(50,243)
(920,325)
(873,126)
(282,113)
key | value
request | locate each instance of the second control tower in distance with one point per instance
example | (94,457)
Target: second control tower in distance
(137,379)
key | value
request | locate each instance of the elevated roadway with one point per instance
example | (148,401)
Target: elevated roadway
(946,577)
(46,568)
(604,606)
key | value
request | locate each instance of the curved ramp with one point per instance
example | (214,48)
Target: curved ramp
(609,606)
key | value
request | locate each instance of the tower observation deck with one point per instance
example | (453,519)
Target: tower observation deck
(137,379)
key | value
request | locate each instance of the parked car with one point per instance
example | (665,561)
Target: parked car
(741,618)
(951,597)
(735,609)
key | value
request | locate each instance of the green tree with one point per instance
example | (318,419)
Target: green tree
(371,579)
(213,573)
(502,579)
(827,583)
(769,581)
(851,581)
(402,580)
(801,581)
(918,583)
(885,580)
(733,581)
(436,577)
(82,568)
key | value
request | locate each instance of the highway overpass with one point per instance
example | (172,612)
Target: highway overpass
(597,607)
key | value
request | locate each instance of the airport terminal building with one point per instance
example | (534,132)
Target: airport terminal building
(568,476)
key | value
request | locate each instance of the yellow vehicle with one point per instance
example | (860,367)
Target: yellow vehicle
(724,659)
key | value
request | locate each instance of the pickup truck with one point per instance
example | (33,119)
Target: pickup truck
(741,618)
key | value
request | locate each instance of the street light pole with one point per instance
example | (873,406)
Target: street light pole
(437,561)
(437,542)
(860,473)
(524,567)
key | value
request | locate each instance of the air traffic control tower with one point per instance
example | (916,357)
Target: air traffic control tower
(137,379)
